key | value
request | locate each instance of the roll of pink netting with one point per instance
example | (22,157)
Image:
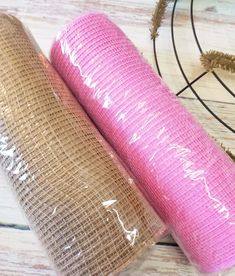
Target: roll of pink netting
(186,177)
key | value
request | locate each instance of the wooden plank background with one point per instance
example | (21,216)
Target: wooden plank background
(20,252)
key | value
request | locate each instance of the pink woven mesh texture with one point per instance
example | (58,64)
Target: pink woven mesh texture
(89,218)
(183,173)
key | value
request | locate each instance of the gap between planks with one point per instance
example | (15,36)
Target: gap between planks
(22,255)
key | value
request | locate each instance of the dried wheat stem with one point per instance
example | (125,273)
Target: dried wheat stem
(157,17)
(214,59)
(228,152)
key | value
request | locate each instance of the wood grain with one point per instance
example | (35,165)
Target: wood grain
(20,252)
(21,255)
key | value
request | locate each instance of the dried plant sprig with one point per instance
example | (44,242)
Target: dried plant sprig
(215,59)
(228,152)
(231,155)
(157,17)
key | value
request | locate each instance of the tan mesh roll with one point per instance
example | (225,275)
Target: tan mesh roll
(88,217)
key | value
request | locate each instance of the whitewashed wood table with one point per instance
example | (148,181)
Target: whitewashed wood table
(20,252)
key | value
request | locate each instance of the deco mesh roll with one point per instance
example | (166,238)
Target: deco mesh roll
(90,220)
(186,177)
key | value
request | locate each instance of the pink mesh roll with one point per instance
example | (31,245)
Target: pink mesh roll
(186,177)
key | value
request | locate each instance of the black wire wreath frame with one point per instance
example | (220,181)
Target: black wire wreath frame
(189,84)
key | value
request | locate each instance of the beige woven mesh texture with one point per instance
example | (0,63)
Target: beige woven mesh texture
(89,218)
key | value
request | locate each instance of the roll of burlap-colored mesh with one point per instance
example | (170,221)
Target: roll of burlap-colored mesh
(88,216)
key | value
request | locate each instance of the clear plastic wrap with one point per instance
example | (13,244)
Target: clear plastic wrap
(78,198)
(185,176)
